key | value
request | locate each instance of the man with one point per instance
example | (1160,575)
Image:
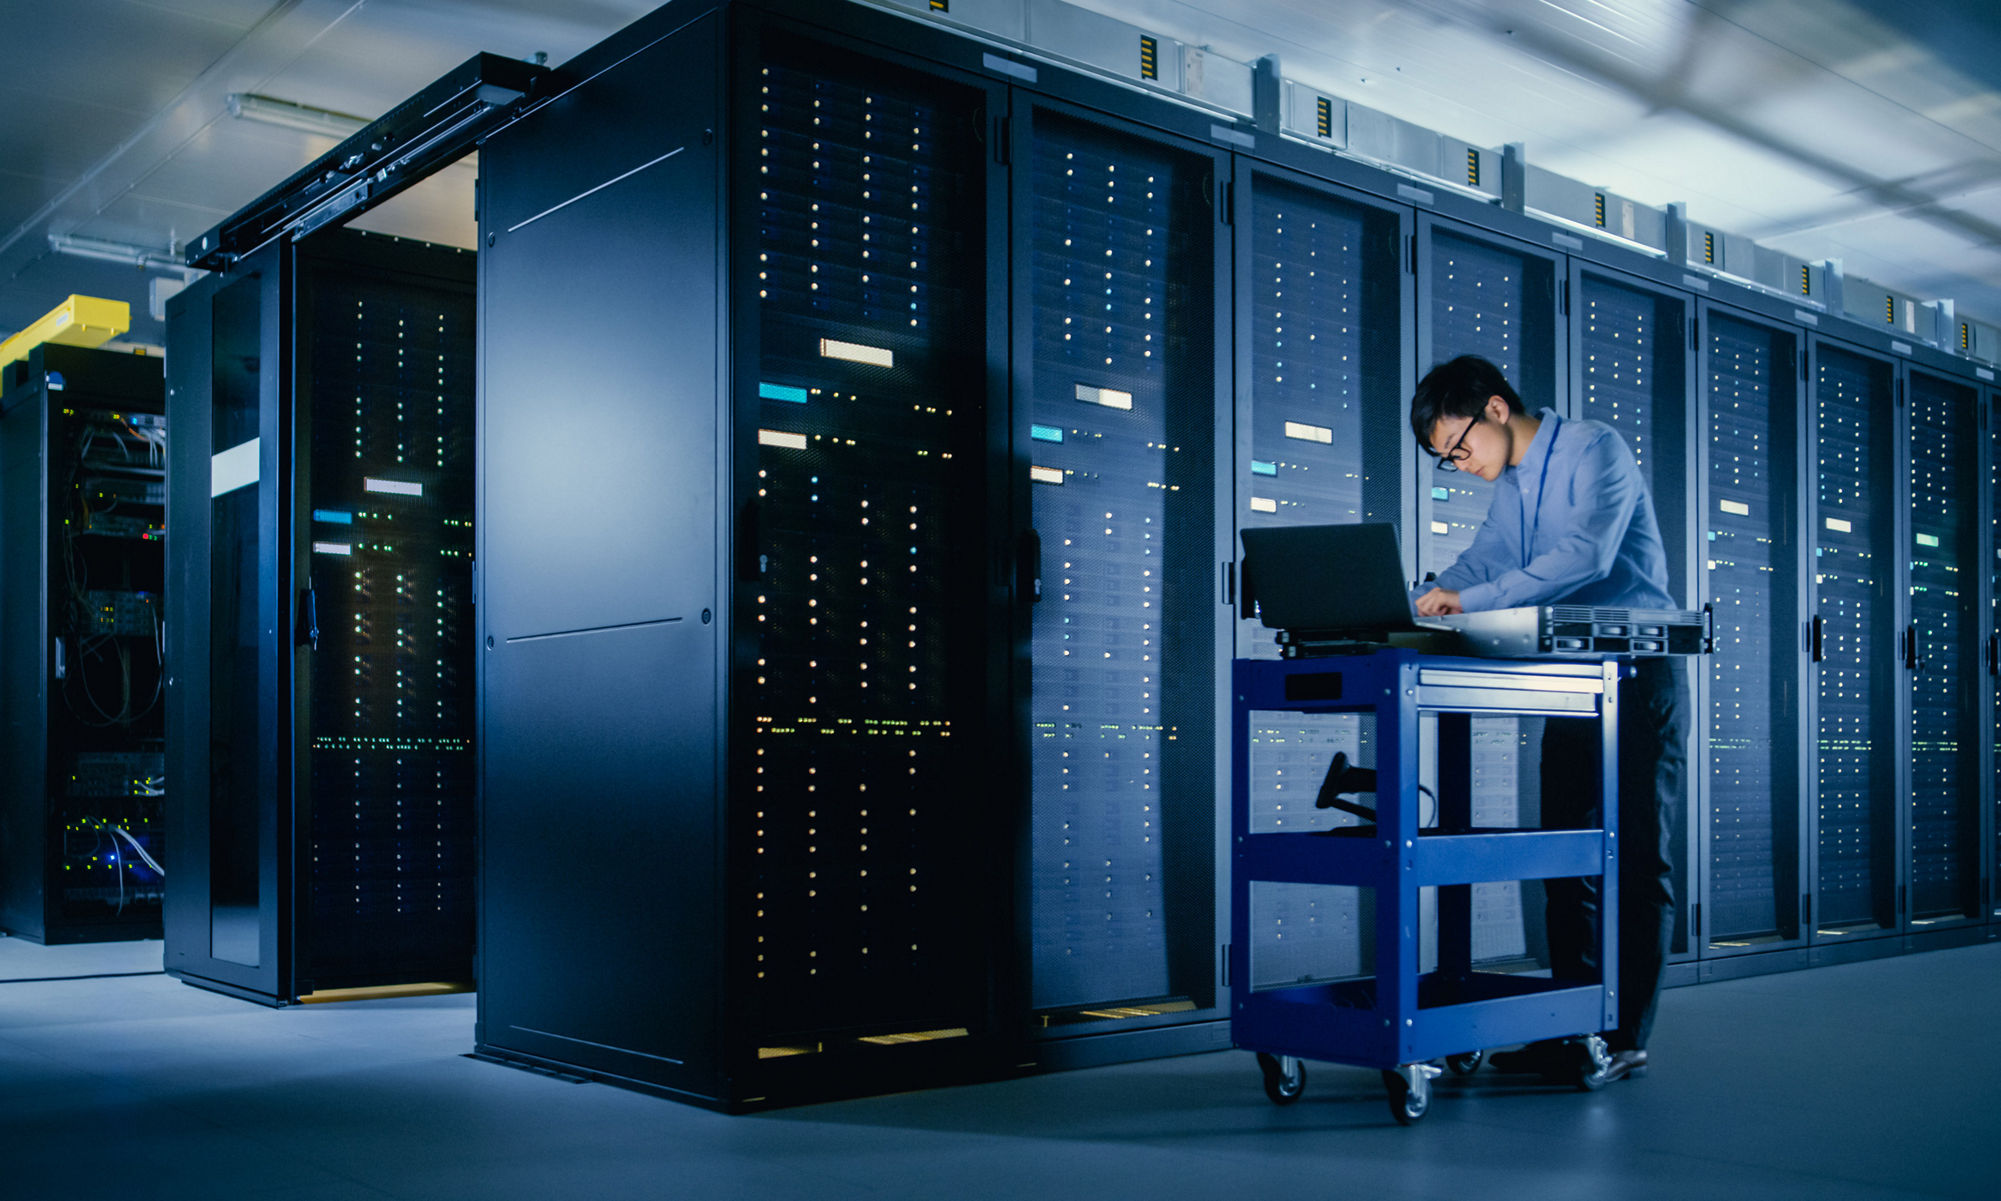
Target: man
(1571,522)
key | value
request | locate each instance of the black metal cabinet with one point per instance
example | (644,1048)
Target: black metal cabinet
(1854,641)
(82,772)
(1479,293)
(746,824)
(1120,256)
(1323,373)
(319,714)
(1631,367)
(1942,651)
(1751,463)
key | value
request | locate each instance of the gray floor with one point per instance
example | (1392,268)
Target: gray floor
(1871,1080)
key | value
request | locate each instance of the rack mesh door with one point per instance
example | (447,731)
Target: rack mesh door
(391,503)
(1945,758)
(858,804)
(1120,269)
(1327,429)
(1752,564)
(1855,563)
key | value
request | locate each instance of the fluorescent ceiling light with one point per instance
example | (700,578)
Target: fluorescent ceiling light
(120,252)
(303,117)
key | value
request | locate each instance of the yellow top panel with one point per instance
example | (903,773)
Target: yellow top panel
(86,321)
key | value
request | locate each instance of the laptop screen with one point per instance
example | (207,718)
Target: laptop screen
(1327,577)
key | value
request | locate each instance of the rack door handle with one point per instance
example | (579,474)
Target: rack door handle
(1912,661)
(1819,638)
(309,619)
(1028,568)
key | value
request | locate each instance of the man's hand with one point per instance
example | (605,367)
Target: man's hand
(1438,602)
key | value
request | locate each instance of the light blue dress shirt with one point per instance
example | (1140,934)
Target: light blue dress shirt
(1573,524)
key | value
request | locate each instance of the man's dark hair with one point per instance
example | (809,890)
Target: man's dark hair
(1459,388)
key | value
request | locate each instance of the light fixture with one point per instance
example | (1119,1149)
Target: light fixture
(286,114)
(120,252)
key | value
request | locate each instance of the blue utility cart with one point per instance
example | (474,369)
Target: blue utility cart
(1401,1020)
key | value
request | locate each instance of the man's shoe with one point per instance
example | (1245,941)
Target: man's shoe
(1624,1064)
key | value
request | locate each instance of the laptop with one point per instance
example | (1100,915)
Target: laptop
(1331,582)
(1338,589)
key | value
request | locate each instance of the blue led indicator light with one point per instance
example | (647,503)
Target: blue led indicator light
(1441,494)
(782,392)
(1045,433)
(1258,467)
(333,516)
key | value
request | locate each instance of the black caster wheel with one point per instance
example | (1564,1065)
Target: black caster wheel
(1467,1064)
(1409,1090)
(1285,1077)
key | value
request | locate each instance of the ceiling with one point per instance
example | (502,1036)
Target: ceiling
(1863,130)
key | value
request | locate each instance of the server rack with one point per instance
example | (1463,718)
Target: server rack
(1991,744)
(1990,748)
(756,657)
(1854,643)
(1322,288)
(320,719)
(1121,254)
(1942,652)
(1754,894)
(1479,293)
(82,775)
(1631,367)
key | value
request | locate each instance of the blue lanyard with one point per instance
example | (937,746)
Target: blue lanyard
(1532,524)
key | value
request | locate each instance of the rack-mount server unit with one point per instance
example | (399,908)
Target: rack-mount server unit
(82,577)
(320,713)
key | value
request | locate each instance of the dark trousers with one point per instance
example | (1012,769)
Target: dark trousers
(1653,762)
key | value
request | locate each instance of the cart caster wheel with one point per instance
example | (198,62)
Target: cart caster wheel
(1285,1077)
(1592,1059)
(1467,1064)
(1409,1089)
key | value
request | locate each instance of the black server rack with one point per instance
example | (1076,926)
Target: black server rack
(82,771)
(1119,249)
(1322,292)
(1854,642)
(747,816)
(1630,362)
(1753,885)
(1496,298)
(320,718)
(1942,650)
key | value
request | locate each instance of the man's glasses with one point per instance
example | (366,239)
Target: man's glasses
(1449,461)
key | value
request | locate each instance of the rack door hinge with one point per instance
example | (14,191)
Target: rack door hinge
(1226,200)
(1003,131)
(1410,254)
(1223,972)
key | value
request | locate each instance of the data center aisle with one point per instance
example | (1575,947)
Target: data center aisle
(1872,1080)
